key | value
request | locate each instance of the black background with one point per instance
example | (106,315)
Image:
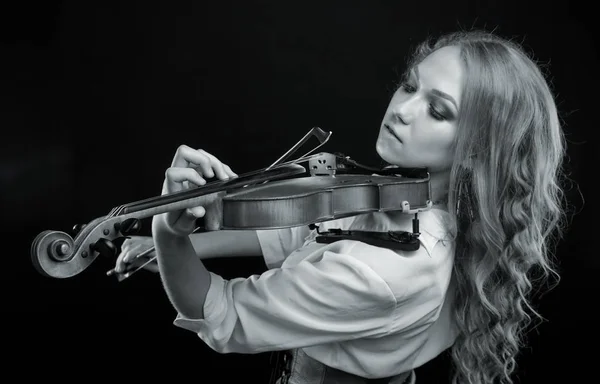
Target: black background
(98,96)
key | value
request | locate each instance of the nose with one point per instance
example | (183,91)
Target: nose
(397,118)
(404,111)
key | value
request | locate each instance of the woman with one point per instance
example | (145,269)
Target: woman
(477,112)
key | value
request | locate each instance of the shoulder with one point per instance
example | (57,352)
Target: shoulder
(407,273)
(433,225)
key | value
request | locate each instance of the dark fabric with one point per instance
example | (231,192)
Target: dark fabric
(296,367)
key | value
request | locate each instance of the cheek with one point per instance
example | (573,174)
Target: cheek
(434,146)
(435,139)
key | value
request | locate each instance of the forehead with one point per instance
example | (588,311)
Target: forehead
(443,70)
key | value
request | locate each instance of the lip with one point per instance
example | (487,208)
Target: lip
(391,131)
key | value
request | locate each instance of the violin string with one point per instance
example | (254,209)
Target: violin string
(157,199)
(116,211)
(321,135)
(152,248)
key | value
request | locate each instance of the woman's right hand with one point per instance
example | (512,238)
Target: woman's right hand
(130,249)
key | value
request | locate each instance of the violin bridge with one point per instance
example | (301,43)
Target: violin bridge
(322,164)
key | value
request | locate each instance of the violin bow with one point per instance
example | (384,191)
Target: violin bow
(320,134)
(322,137)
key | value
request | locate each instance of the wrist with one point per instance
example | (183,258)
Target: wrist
(162,231)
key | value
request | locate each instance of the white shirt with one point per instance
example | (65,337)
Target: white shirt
(363,309)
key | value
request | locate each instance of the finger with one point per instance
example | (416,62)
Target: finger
(129,241)
(136,263)
(119,262)
(124,247)
(229,171)
(175,177)
(186,155)
(181,156)
(216,165)
(209,165)
(124,258)
(119,265)
(196,212)
(132,253)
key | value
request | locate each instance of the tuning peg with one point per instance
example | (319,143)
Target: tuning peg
(105,247)
(129,226)
(77,228)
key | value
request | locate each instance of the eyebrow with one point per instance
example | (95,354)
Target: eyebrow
(436,92)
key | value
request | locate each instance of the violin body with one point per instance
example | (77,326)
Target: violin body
(266,199)
(314,199)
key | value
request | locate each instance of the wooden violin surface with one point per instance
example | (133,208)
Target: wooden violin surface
(308,200)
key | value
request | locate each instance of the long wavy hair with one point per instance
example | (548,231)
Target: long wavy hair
(505,199)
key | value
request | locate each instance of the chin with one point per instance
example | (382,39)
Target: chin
(381,152)
(386,153)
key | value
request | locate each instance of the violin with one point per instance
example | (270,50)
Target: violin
(279,196)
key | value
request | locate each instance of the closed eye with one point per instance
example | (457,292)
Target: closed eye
(408,88)
(433,112)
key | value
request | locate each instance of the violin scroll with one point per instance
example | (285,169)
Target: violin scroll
(56,254)
(50,250)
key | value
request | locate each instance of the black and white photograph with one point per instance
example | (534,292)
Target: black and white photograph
(299,192)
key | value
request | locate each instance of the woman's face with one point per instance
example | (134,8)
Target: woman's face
(419,125)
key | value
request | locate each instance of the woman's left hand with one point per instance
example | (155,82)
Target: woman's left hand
(190,167)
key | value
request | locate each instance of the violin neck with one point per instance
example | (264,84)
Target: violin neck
(344,164)
(247,179)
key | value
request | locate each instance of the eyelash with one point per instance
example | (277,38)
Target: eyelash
(435,114)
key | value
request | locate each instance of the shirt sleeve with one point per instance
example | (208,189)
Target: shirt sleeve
(332,298)
(277,244)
